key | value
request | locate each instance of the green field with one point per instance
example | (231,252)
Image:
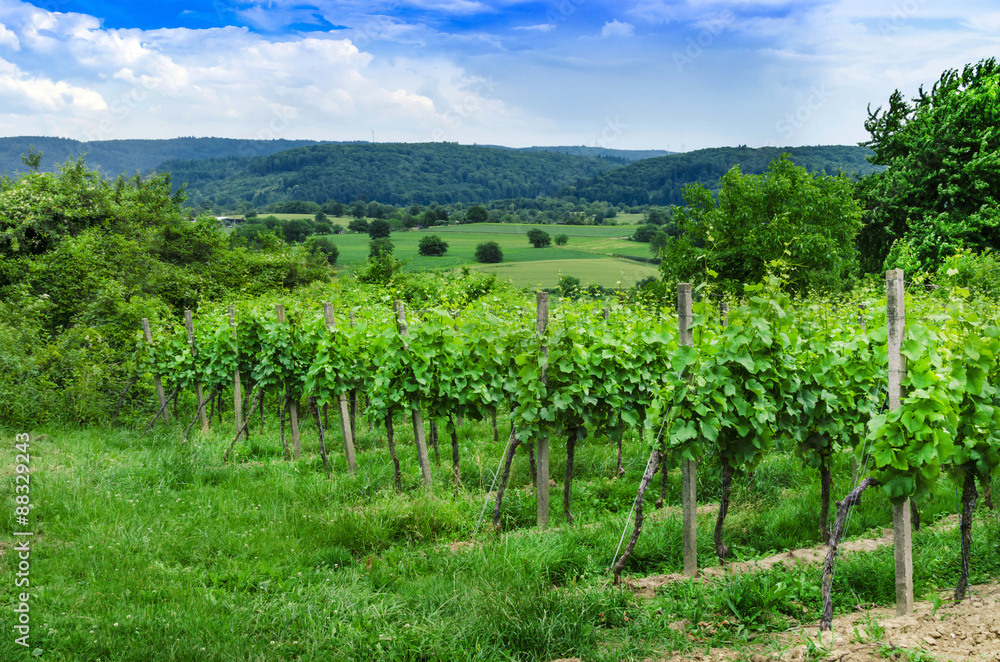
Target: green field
(589,255)
(546,273)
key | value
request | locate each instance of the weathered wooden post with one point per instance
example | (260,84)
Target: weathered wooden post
(345,423)
(156,378)
(542,480)
(418,420)
(689,501)
(189,323)
(901,531)
(237,387)
(291,403)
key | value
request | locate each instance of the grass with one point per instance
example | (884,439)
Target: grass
(589,254)
(147,549)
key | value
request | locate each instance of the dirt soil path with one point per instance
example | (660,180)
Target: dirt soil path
(954,632)
(646,586)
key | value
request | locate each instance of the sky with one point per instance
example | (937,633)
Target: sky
(633,74)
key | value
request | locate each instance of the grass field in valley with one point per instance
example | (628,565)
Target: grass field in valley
(150,549)
(588,255)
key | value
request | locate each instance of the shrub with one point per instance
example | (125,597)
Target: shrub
(569,286)
(489,252)
(379,247)
(539,238)
(562,239)
(432,245)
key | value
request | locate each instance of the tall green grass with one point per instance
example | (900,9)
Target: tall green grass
(149,549)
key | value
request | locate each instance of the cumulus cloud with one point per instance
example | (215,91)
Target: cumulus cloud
(616,28)
(98,83)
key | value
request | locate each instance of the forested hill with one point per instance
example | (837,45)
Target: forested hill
(114,157)
(602,152)
(661,181)
(391,173)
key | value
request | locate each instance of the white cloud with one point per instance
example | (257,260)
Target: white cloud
(616,28)
(8,38)
(26,93)
(543,27)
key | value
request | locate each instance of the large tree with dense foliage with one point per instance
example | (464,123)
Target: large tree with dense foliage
(940,190)
(809,220)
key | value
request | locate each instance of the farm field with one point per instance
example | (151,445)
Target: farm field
(589,254)
(150,549)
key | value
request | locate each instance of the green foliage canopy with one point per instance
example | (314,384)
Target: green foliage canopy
(432,245)
(539,238)
(941,188)
(785,212)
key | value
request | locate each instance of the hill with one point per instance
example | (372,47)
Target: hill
(114,157)
(391,173)
(661,181)
(603,152)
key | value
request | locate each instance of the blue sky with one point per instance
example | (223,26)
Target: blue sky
(633,74)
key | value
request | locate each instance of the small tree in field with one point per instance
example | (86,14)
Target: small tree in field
(562,239)
(432,245)
(489,252)
(379,229)
(539,238)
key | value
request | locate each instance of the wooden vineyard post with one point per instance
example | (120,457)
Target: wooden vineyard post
(189,323)
(156,378)
(237,387)
(689,501)
(418,420)
(345,422)
(901,532)
(542,480)
(292,403)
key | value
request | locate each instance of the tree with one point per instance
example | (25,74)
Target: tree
(811,221)
(358,225)
(562,239)
(539,238)
(940,190)
(432,245)
(323,246)
(379,247)
(644,233)
(477,214)
(489,252)
(378,229)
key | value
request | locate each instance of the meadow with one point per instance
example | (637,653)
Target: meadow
(148,548)
(588,255)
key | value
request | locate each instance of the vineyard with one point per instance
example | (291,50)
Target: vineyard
(723,383)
